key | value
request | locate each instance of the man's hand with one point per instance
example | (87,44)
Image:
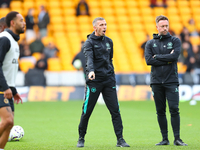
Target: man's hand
(8,94)
(91,75)
(171,51)
(17,99)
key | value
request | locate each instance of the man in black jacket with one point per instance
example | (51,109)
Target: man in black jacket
(9,54)
(162,53)
(100,77)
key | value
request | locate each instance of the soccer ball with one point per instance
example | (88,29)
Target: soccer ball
(16,133)
(77,64)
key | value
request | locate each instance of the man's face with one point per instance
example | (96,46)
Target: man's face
(100,28)
(19,24)
(162,27)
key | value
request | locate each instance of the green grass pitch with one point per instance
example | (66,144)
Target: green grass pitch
(54,126)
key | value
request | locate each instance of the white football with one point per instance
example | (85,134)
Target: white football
(77,64)
(16,133)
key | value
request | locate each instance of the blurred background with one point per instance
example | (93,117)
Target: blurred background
(56,30)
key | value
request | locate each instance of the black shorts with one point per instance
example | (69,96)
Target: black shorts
(6,102)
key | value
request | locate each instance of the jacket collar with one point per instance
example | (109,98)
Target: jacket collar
(93,36)
(157,36)
(15,36)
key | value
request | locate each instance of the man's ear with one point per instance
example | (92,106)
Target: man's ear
(12,23)
(94,28)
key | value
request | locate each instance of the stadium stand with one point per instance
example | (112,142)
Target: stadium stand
(128,23)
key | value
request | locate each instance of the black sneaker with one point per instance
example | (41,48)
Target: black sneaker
(80,142)
(121,143)
(179,142)
(164,142)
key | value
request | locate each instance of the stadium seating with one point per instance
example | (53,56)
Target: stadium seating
(128,21)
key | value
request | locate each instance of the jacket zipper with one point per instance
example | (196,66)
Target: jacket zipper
(161,48)
(103,48)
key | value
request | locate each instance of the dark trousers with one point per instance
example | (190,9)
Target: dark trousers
(108,89)
(170,92)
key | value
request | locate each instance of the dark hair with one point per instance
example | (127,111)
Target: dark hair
(3,20)
(10,16)
(161,17)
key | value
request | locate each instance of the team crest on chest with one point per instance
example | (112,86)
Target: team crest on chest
(107,46)
(169,45)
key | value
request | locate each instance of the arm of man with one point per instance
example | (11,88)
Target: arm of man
(111,53)
(88,51)
(173,56)
(4,48)
(149,56)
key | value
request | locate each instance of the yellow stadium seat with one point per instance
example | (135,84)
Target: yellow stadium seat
(143,3)
(95,11)
(181,67)
(195,10)
(198,26)
(159,11)
(194,3)
(36,55)
(146,10)
(148,19)
(4,12)
(28,4)
(46,40)
(39,3)
(110,19)
(172,11)
(124,27)
(83,19)
(176,27)
(104,3)
(174,18)
(135,19)
(53,4)
(171,3)
(85,27)
(58,27)
(182,3)
(15,4)
(137,27)
(120,11)
(70,19)
(55,12)
(107,11)
(131,3)
(20,10)
(93,4)
(67,4)
(69,11)
(184,10)
(112,27)
(71,27)
(196,18)
(54,64)
(195,40)
(140,37)
(25,65)
(150,28)
(118,3)
(123,19)
(56,19)
(133,11)
(185,18)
